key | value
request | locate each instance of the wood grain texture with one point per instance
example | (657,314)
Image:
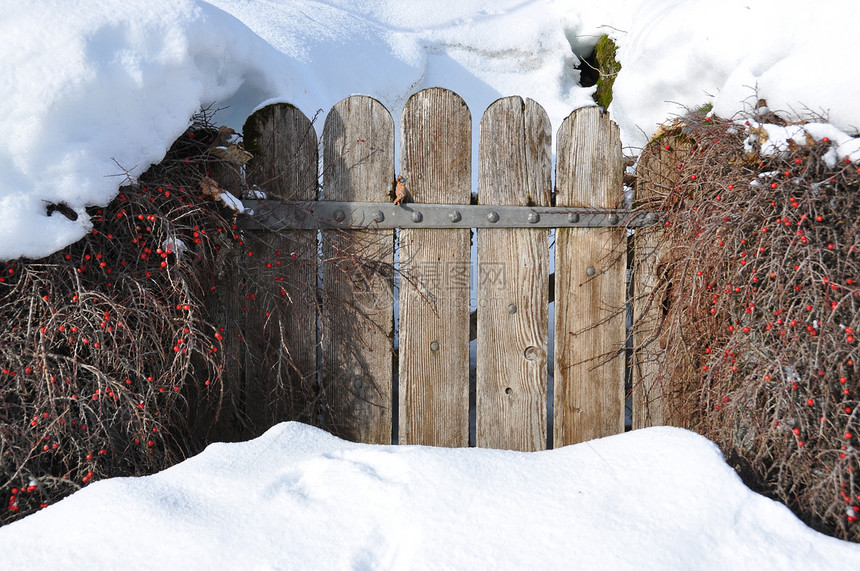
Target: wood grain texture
(515,168)
(277,328)
(434,292)
(652,393)
(589,309)
(358,318)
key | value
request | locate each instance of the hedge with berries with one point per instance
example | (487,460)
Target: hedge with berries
(112,355)
(759,295)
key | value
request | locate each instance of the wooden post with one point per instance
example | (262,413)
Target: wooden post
(434,292)
(515,168)
(275,305)
(656,175)
(358,318)
(590,288)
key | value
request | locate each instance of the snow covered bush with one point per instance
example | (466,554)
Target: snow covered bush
(761,302)
(110,360)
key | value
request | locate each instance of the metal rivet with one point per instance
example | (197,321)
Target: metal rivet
(417,217)
(339,216)
(530,353)
(512,308)
(378,216)
(434,346)
(534,217)
(573,217)
(590,271)
(357,383)
(454,216)
(493,216)
(613,219)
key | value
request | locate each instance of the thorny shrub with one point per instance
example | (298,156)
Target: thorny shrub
(111,354)
(760,291)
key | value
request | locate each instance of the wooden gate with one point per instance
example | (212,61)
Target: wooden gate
(337,309)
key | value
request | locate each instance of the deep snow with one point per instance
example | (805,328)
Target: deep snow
(299,498)
(91,90)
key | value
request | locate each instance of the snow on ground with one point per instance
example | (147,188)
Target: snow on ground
(91,91)
(298,498)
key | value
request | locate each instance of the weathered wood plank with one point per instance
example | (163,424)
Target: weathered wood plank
(358,318)
(652,394)
(515,168)
(434,292)
(590,268)
(278,318)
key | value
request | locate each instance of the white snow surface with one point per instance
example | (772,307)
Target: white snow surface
(299,498)
(92,91)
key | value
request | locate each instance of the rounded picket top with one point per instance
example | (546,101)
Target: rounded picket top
(515,153)
(283,143)
(358,150)
(436,143)
(588,160)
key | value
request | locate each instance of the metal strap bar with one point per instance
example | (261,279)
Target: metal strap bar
(284,215)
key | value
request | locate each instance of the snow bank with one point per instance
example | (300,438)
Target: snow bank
(299,498)
(95,91)
(688,53)
(92,91)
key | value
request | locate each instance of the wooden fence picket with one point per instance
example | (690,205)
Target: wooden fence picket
(590,296)
(515,168)
(652,397)
(358,318)
(276,332)
(436,161)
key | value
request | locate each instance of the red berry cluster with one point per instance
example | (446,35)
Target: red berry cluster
(123,353)
(107,348)
(761,303)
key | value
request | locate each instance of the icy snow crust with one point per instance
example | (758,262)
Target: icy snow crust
(92,91)
(299,498)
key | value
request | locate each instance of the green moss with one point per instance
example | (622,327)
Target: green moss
(608,67)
